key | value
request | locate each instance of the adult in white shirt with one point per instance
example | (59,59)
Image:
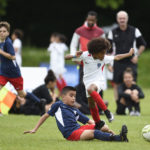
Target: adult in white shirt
(17,44)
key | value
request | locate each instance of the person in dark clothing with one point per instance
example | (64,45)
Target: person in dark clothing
(129,95)
(45,92)
(122,39)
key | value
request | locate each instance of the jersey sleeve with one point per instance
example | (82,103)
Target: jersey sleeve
(9,48)
(82,118)
(51,47)
(139,38)
(74,44)
(53,109)
(108,59)
(17,44)
(65,47)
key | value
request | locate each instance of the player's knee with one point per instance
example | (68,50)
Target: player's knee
(135,92)
(92,88)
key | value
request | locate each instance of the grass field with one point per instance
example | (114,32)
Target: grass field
(49,138)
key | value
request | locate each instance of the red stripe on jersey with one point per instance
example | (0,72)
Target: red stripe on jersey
(103,67)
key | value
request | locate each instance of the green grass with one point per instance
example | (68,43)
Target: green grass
(49,138)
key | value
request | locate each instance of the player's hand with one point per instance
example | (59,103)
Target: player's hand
(30,131)
(105,128)
(78,53)
(131,52)
(134,60)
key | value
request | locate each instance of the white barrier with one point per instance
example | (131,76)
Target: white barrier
(33,77)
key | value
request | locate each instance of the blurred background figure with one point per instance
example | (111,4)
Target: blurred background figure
(122,39)
(16,37)
(129,95)
(46,92)
(57,49)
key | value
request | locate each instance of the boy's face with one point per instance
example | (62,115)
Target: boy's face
(3,33)
(69,98)
(99,55)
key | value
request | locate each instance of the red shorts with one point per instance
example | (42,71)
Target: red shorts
(16,82)
(75,136)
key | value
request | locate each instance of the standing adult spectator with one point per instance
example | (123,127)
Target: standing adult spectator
(84,34)
(17,44)
(81,37)
(122,39)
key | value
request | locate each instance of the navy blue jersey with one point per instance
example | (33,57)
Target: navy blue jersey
(67,117)
(8,68)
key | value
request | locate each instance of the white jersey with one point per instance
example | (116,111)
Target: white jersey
(17,44)
(57,62)
(93,69)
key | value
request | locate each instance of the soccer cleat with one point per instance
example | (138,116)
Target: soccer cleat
(99,125)
(123,134)
(109,115)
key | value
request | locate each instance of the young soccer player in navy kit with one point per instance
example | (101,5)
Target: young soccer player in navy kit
(9,69)
(94,61)
(67,116)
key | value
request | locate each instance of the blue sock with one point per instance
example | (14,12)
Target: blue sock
(32,97)
(104,136)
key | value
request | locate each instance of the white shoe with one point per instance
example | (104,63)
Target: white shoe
(137,113)
(132,113)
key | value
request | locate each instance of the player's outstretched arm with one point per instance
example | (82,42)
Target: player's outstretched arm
(78,54)
(40,122)
(122,56)
(7,55)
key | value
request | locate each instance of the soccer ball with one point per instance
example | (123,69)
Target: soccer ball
(146,132)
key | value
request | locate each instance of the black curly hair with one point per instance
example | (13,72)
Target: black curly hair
(97,45)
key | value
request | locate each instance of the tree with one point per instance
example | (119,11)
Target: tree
(113,4)
(3,4)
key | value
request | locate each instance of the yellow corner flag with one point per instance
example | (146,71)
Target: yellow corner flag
(7,99)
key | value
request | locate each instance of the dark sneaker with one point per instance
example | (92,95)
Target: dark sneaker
(123,134)
(109,115)
(99,125)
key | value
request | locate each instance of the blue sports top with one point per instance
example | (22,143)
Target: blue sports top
(8,68)
(67,117)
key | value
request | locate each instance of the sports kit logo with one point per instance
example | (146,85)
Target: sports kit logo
(98,65)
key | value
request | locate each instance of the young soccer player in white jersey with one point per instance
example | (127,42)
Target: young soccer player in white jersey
(57,49)
(94,61)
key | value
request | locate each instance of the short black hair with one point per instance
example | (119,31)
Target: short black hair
(92,13)
(97,45)
(18,33)
(66,89)
(50,77)
(62,38)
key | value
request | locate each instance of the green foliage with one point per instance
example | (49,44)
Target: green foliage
(33,56)
(48,136)
(113,4)
(3,4)
(144,69)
